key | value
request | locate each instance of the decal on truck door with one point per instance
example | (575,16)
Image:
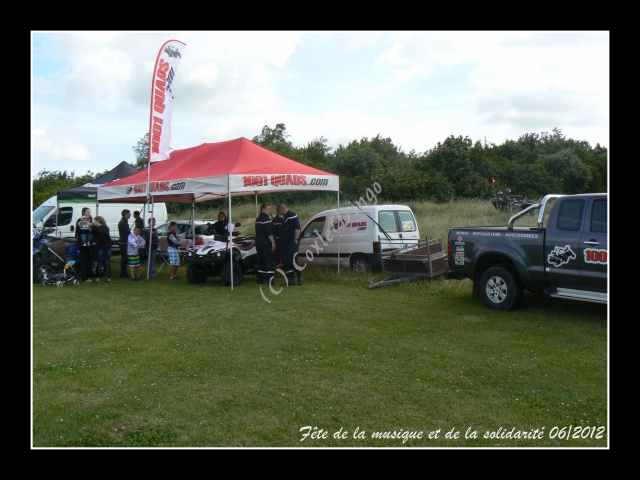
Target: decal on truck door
(560,256)
(595,255)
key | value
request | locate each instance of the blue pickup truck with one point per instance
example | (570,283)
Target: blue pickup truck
(565,255)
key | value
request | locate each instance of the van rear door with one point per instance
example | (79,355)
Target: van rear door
(398,228)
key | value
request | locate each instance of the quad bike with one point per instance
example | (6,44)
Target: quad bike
(515,204)
(215,260)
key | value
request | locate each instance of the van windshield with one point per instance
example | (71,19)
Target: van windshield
(41,212)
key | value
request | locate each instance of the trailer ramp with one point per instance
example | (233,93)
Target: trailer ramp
(422,260)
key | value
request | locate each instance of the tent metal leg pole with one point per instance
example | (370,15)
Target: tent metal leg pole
(149,266)
(339,221)
(229,239)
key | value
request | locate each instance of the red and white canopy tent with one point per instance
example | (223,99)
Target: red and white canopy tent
(218,170)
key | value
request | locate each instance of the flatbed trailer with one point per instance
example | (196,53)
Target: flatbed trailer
(422,260)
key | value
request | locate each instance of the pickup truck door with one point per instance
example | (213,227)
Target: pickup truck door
(576,245)
(563,247)
(593,246)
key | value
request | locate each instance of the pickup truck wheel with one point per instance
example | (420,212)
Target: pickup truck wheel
(500,289)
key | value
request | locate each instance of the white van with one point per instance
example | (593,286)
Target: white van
(357,235)
(59,219)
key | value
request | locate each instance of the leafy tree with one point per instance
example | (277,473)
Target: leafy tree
(533,165)
(47,183)
(453,160)
(565,165)
(359,166)
(141,151)
(275,140)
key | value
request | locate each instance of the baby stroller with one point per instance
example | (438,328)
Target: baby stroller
(65,274)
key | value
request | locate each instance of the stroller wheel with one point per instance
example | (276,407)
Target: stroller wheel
(43,283)
(76,281)
(59,284)
(44,271)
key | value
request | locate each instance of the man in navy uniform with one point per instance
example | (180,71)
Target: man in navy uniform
(288,241)
(265,245)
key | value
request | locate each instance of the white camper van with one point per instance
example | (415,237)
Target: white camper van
(59,219)
(357,235)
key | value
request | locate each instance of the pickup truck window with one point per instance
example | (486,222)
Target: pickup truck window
(570,215)
(599,216)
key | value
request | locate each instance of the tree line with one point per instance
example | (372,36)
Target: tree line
(457,168)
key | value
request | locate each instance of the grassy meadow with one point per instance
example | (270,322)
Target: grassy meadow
(330,364)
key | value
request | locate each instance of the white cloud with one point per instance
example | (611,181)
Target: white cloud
(91,90)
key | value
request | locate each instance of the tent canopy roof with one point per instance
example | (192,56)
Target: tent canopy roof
(217,170)
(89,190)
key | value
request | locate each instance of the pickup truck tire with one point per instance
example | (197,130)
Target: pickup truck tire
(500,289)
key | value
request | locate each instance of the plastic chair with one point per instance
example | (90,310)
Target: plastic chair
(163,253)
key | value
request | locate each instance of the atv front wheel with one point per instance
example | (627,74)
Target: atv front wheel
(225,274)
(195,275)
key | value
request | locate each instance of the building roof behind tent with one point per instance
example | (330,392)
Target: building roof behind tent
(88,191)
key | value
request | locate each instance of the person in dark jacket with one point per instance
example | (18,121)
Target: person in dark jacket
(277,231)
(222,228)
(85,249)
(288,241)
(102,241)
(150,235)
(123,231)
(265,245)
(138,221)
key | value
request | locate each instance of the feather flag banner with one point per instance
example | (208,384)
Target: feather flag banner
(164,74)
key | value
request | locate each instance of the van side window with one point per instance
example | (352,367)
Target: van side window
(315,228)
(599,216)
(407,222)
(570,215)
(387,221)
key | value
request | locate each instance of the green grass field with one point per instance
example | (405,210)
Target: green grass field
(329,364)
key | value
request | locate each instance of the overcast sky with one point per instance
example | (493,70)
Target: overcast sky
(91,91)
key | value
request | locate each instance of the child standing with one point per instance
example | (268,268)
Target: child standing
(85,230)
(135,242)
(174,256)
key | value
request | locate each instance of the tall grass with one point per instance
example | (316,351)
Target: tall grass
(434,219)
(168,364)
